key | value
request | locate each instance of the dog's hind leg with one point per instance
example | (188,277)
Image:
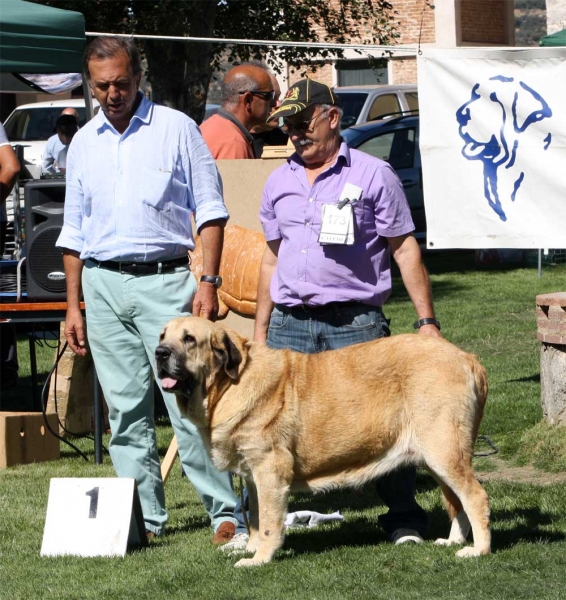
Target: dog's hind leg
(460,527)
(273,482)
(460,478)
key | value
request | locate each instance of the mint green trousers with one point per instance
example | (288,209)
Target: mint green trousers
(125,315)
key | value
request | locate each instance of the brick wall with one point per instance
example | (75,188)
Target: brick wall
(551,318)
(483,21)
(410,15)
(404,70)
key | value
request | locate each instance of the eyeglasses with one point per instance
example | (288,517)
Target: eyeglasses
(265,95)
(301,126)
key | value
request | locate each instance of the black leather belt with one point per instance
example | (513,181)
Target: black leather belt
(325,307)
(135,268)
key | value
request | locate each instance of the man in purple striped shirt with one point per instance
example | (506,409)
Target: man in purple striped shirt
(332,219)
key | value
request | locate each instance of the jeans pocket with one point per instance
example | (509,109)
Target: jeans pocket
(278,319)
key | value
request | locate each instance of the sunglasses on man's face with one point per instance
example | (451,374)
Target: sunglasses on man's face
(301,126)
(265,95)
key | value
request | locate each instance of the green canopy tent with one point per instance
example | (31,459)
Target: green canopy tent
(40,39)
(555,39)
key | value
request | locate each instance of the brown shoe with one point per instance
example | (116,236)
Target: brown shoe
(224,533)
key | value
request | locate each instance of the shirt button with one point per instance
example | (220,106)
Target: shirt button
(307,224)
(311,199)
(303,251)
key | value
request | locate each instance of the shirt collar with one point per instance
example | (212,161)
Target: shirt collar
(343,157)
(226,115)
(143,114)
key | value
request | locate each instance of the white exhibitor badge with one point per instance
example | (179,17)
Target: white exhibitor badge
(93,516)
(337,226)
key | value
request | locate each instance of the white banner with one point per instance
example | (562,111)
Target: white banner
(493,146)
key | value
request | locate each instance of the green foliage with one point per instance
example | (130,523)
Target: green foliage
(180,71)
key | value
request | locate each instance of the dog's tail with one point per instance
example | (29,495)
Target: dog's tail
(479,375)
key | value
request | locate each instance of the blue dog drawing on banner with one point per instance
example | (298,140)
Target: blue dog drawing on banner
(491,124)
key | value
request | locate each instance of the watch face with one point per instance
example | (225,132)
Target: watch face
(216,280)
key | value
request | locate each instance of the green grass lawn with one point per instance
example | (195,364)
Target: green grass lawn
(488,311)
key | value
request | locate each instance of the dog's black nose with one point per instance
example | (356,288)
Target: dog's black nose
(162,353)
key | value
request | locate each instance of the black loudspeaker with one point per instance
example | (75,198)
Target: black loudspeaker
(45,275)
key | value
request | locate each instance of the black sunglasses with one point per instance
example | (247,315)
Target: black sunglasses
(265,95)
(301,126)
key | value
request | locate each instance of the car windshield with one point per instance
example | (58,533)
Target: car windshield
(32,124)
(351,104)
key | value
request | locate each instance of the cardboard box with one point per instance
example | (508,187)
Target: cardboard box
(24,438)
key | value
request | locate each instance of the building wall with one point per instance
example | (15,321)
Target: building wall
(484,22)
(416,21)
(555,15)
(450,23)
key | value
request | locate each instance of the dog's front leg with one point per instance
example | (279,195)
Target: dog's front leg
(272,484)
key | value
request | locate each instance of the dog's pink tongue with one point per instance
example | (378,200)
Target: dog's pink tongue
(168,383)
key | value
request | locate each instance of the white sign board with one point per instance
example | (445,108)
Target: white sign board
(92,517)
(493,147)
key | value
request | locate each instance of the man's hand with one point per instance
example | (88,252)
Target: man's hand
(431,330)
(205,302)
(75,332)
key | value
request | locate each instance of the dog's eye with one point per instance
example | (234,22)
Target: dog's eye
(188,339)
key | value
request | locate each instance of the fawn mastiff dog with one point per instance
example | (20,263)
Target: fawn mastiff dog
(287,421)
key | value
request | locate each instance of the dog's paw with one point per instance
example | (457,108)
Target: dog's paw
(448,542)
(248,562)
(469,551)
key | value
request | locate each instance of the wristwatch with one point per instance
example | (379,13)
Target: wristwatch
(427,321)
(216,280)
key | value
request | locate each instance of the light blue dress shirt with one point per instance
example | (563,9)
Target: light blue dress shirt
(54,155)
(130,196)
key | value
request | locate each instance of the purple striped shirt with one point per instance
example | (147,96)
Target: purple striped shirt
(314,274)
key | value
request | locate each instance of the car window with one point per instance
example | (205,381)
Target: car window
(352,105)
(36,123)
(386,104)
(395,147)
(412,99)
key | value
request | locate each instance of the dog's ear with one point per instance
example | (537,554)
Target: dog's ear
(528,108)
(229,354)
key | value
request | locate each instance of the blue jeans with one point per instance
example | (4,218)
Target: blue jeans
(330,327)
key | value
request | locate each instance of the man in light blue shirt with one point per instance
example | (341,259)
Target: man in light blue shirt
(55,153)
(135,175)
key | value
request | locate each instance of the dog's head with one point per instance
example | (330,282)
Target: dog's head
(197,360)
(498,112)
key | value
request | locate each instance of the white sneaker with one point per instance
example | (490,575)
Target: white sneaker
(404,536)
(237,545)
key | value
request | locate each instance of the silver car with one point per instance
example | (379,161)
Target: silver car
(362,103)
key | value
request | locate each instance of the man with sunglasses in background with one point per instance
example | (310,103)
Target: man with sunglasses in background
(247,97)
(332,218)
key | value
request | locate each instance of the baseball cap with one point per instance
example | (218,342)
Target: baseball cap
(303,94)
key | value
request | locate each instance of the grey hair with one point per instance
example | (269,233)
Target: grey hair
(329,106)
(107,46)
(229,92)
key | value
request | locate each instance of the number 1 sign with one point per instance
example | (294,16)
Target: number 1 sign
(93,517)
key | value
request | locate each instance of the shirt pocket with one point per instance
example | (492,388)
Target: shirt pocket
(154,187)
(165,201)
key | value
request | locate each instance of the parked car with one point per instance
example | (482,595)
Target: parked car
(31,125)
(396,141)
(363,103)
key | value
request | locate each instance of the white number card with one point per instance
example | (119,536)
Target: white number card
(337,225)
(92,517)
